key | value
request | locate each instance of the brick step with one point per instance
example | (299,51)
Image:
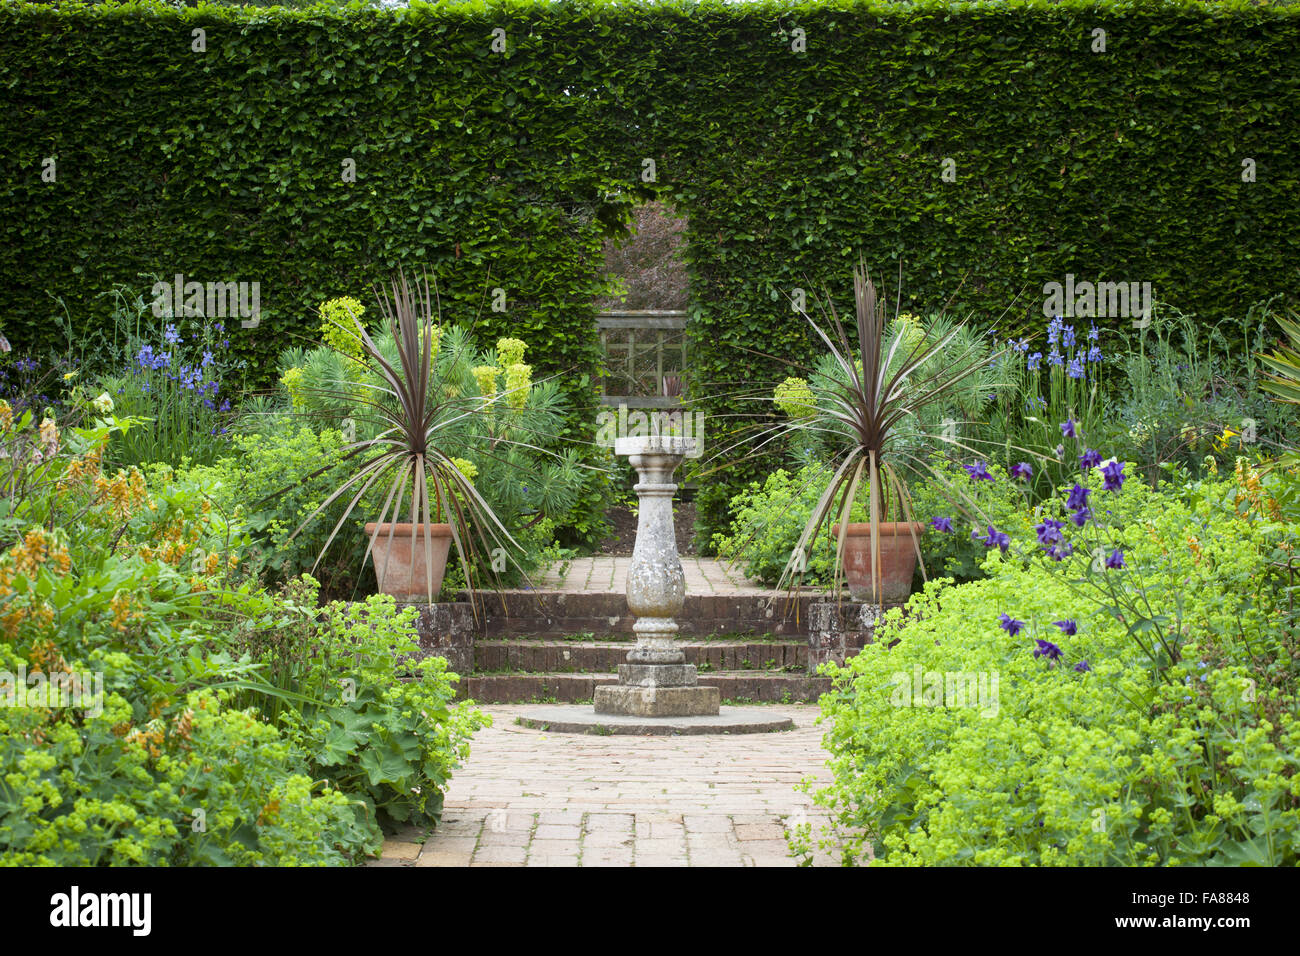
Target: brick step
(604,656)
(549,614)
(753,686)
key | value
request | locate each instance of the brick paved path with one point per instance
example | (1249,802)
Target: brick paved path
(608,573)
(531,798)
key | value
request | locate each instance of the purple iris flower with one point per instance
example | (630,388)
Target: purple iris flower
(220,327)
(1076,369)
(207,359)
(1068,627)
(997,539)
(1082,667)
(1055,358)
(1023,470)
(1010,624)
(1094,354)
(171,336)
(225,405)
(1046,649)
(1067,337)
(978,471)
(1116,559)
(1078,497)
(1049,532)
(1054,330)
(1089,458)
(1067,428)
(942,524)
(1093,334)
(1022,346)
(1032,363)
(1113,474)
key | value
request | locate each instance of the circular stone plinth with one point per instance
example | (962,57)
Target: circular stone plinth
(582,719)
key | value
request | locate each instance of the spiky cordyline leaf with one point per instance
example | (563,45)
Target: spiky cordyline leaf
(411,421)
(867,405)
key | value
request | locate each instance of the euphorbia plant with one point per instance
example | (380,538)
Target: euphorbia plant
(874,406)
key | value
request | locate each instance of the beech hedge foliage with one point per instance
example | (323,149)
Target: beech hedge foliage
(991,147)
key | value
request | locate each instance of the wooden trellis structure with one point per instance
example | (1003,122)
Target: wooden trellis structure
(641,348)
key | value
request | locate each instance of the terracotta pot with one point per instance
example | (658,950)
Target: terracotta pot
(399,566)
(897,560)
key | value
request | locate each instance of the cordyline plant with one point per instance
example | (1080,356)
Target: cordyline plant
(870,400)
(414,426)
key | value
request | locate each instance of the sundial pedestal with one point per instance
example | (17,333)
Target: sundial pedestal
(656,681)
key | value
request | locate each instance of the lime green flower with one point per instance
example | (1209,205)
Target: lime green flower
(486,376)
(795,398)
(510,352)
(519,379)
(338,328)
(292,382)
(912,331)
(466,468)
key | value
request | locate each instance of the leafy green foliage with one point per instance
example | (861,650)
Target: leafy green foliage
(506,169)
(181,728)
(768,522)
(1115,752)
(378,728)
(277,476)
(425,400)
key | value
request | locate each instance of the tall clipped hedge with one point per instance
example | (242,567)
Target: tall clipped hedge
(792,136)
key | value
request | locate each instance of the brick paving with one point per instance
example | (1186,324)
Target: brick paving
(531,798)
(608,574)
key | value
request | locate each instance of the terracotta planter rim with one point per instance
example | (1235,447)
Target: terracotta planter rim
(886,527)
(405,529)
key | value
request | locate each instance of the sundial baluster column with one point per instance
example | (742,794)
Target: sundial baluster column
(656,681)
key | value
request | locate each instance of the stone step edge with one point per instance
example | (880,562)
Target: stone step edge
(606,676)
(605,643)
(570,657)
(755,686)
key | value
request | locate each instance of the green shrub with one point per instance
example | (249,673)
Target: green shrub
(276,478)
(768,519)
(134,610)
(1117,752)
(379,726)
(795,213)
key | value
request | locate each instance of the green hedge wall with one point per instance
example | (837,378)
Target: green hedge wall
(793,137)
